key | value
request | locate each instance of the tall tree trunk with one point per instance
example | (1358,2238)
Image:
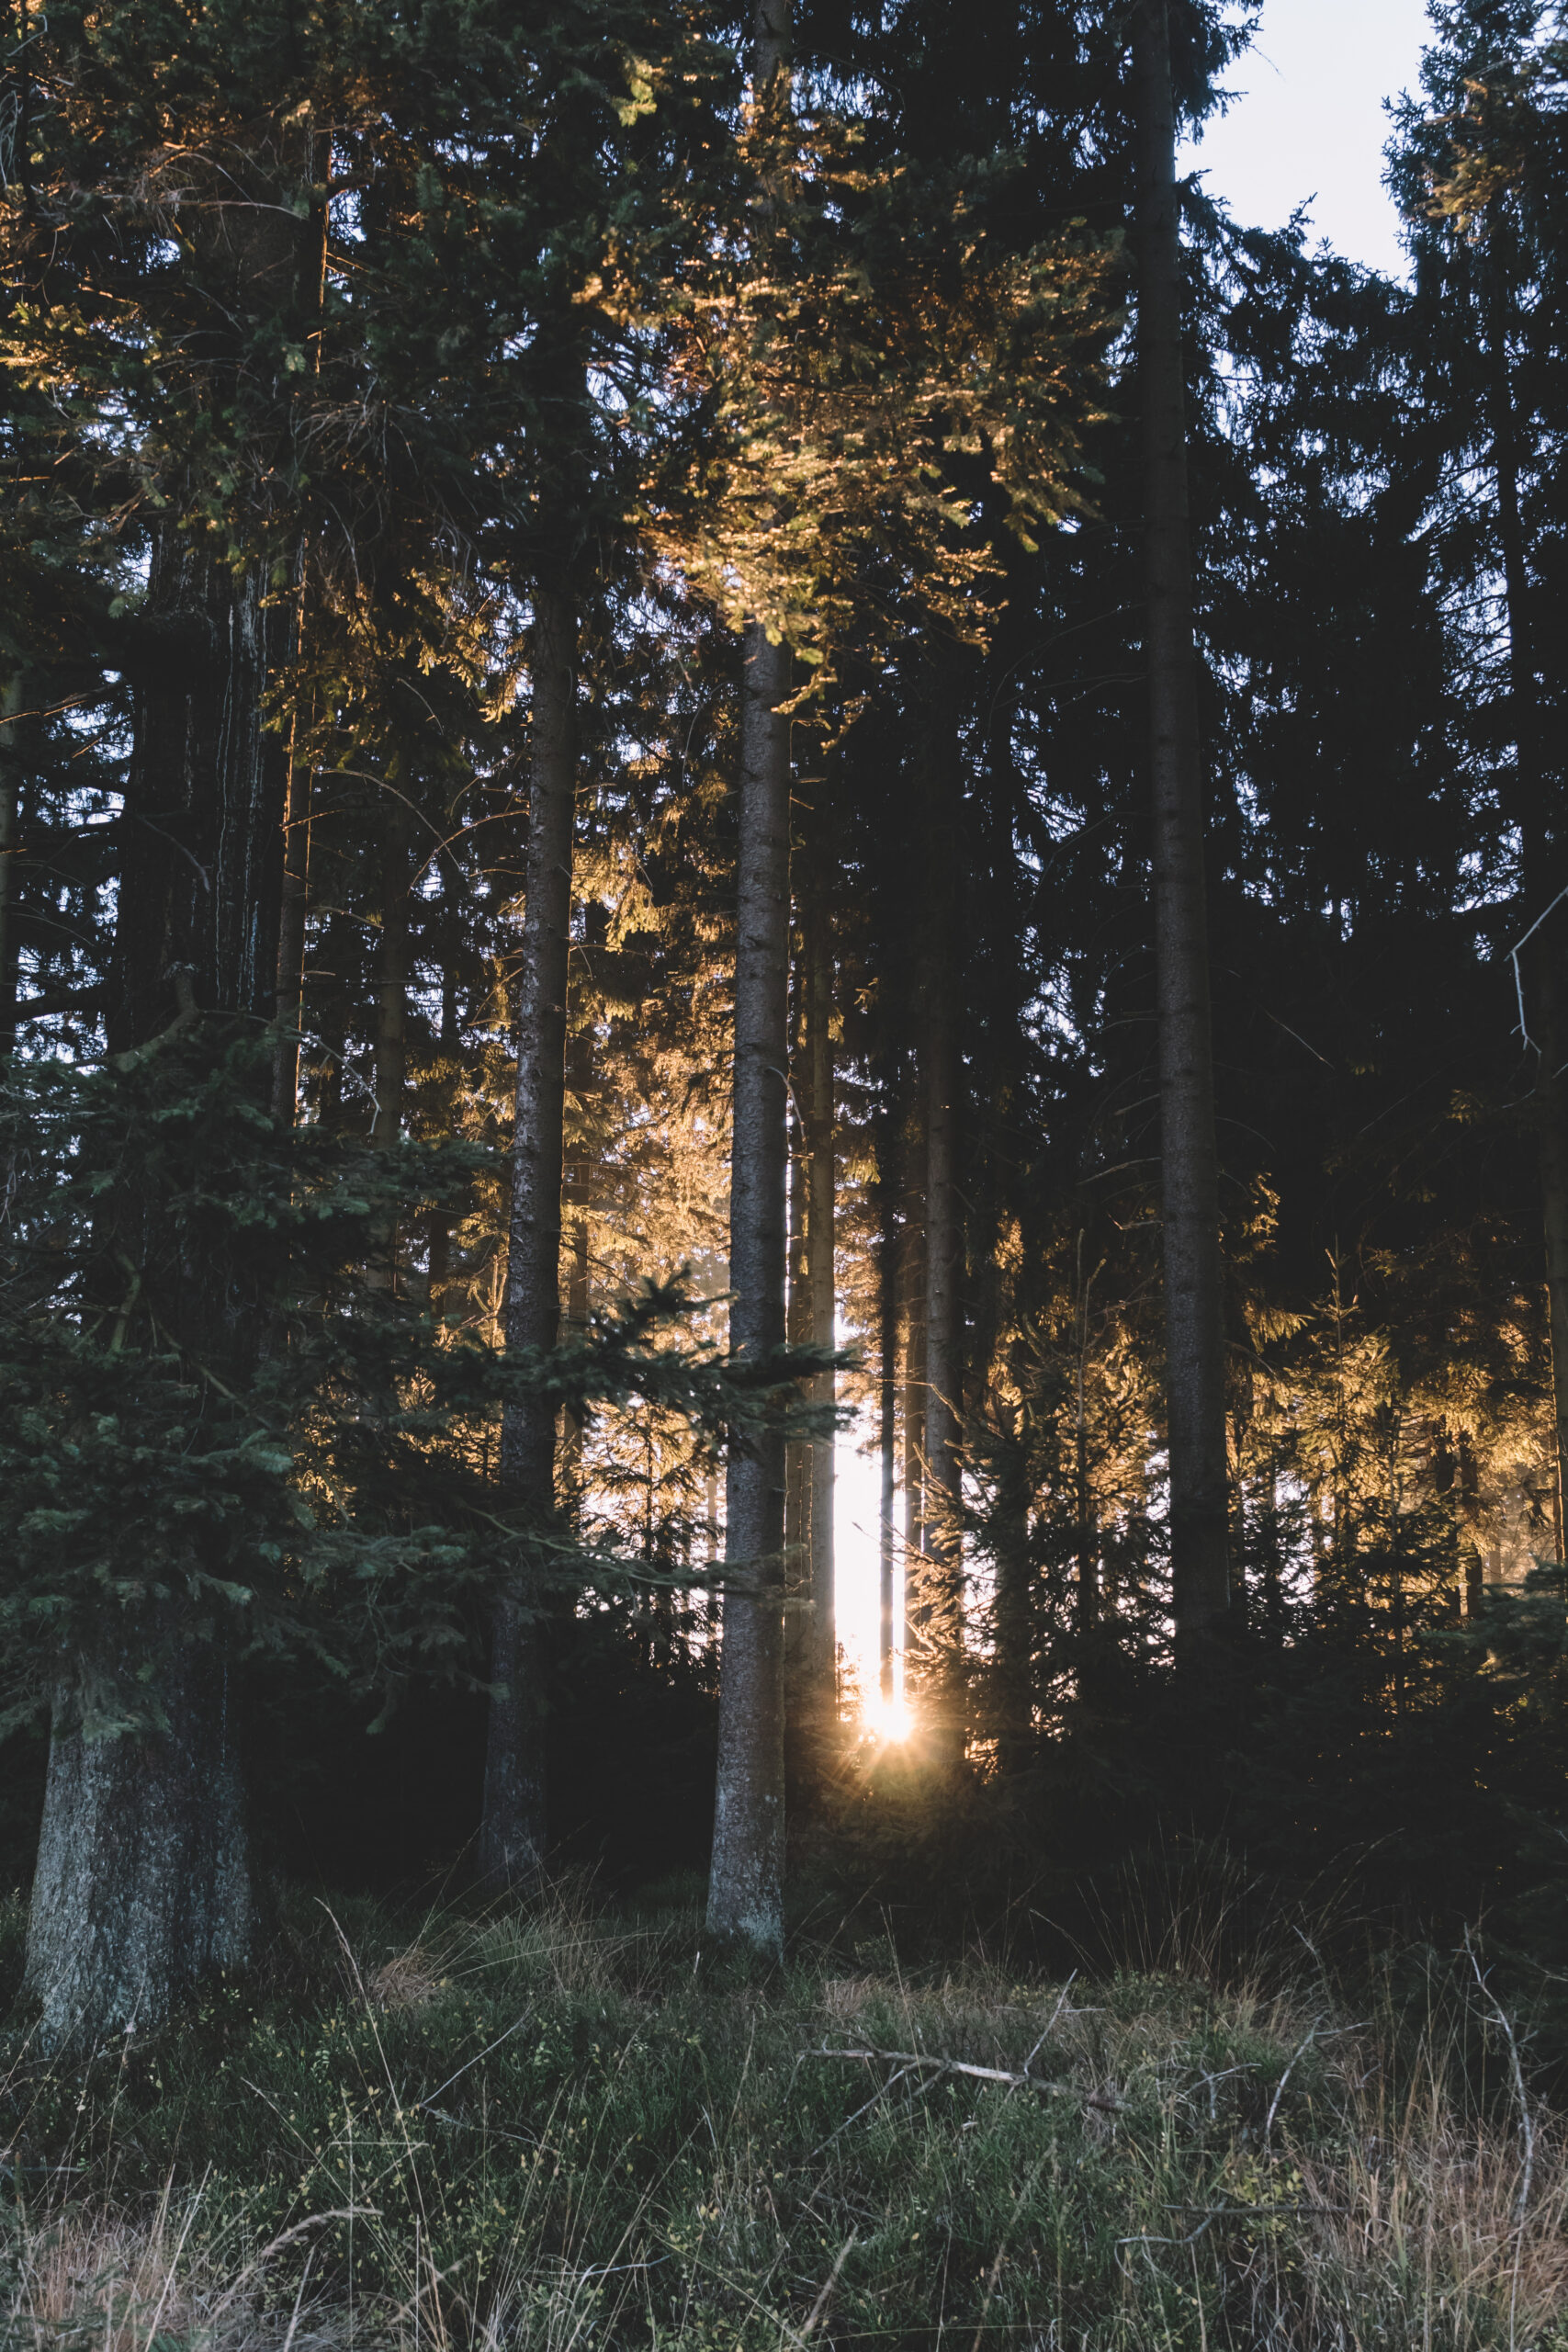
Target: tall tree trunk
(292,912)
(294,907)
(746,1880)
(438,1221)
(391,1062)
(1544,1010)
(339,955)
(512,1830)
(10,705)
(913,1282)
(209,778)
(887,1406)
(820,1138)
(1014,1603)
(142,1884)
(944,1574)
(578,1296)
(797,1454)
(808,1510)
(746,1874)
(1195,1395)
(1085,1511)
(579,1193)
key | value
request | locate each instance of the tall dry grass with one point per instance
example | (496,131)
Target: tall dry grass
(555,2129)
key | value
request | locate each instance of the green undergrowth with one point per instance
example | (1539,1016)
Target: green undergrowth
(563,2127)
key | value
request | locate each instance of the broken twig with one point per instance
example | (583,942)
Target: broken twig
(1104,2100)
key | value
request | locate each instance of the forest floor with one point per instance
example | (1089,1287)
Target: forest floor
(563,2127)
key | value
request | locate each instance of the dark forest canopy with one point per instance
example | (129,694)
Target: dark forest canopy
(713,726)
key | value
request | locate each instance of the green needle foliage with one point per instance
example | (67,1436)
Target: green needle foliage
(307,1472)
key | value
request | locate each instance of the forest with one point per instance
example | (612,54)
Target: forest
(784,1187)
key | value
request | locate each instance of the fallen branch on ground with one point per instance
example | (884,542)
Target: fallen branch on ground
(1104,2100)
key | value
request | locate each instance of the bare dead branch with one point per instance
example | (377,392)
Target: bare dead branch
(907,2059)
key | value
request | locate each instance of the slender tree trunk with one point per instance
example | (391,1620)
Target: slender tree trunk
(512,1831)
(820,1136)
(1084,1509)
(913,1273)
(746,1877)
(944,1227)
(390,1044)
(292,912)
(746,1882)
(579,1197)
(339,954)
(797,1454)
(10,705)
(390,1063)
(887,1408)
(438,1222)
(810,1634)
(1195,1393)
(1014,1607)
(1470,1532)
(577,1309)
(295,895)
(1544,1010)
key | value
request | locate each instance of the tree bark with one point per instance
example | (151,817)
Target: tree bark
(294,900)
(913,1272)
(1014,1604)
(141,1886)
(512,1830)
(810,1633)
(578,1297)
(577,1195)
(10,703)
(887,1408)
(1195,1397)
(745,1873)
(142,1883)
(201,866)
(820,1135)
(1085,1511)
(797,1454)
(294,891)
(390,1063)
(943,1600)
(746,1880)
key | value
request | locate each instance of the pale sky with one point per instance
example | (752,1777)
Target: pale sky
(1308,125)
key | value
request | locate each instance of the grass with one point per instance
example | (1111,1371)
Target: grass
(563,2128)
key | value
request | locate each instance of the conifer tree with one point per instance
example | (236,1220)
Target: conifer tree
(1481,183)
(746,1880)
(142,1881)
(1188,1149)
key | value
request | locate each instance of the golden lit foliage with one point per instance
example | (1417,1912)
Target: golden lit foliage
(863,367)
